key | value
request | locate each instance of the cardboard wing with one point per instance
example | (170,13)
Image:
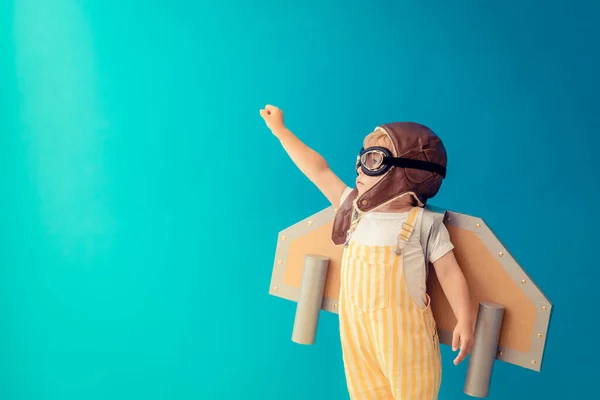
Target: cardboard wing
(513,314)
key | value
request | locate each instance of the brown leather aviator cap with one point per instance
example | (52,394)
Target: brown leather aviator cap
(410,140)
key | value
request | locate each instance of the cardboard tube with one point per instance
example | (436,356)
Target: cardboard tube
(485,349)
(310,301)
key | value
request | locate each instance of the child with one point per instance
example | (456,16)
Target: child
(389,337)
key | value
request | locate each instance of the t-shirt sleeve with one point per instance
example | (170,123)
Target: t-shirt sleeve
(439,243)
(345,194)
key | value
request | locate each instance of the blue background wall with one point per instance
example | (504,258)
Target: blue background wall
(142,194)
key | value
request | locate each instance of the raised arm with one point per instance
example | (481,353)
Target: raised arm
(310,163)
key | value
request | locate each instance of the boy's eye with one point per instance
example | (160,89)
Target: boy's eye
(373,160)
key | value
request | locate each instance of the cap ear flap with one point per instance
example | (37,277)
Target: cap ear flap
(418,176)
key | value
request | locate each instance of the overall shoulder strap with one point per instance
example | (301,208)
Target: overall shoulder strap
(437,219)
(356,215)
(408,228)
(425,234)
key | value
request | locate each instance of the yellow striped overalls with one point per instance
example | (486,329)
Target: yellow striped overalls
(390,345)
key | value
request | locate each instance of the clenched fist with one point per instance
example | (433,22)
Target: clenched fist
(273,117)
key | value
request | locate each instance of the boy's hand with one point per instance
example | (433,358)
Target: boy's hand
(273,117)
(463,337)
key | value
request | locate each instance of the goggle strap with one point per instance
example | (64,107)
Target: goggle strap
(416,164)
(406,163)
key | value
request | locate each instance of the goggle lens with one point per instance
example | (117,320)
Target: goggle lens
(371,161)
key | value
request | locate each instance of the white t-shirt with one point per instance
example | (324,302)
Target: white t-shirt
(382,228)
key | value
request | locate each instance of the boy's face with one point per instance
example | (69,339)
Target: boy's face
(365,182)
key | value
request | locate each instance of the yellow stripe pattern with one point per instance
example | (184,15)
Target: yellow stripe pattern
(389,344)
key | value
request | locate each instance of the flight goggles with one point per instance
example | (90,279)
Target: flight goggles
(376,161)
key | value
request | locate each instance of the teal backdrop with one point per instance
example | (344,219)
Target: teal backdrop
(141,194)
